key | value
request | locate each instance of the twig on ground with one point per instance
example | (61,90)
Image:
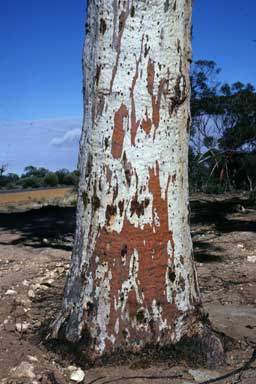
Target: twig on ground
(98,379)
(153,377)
(240,370)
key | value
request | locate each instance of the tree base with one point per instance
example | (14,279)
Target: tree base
(202,348)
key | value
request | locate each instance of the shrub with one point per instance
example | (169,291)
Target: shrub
(51,180)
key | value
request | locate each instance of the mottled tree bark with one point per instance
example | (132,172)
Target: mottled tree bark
(132,280)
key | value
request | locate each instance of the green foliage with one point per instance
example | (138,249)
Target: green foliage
(71,178)
(51,180)
(33,171)
(9,181)
(31,182)
(62,174)
(34,177)
(223,132)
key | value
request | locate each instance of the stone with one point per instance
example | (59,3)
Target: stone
(31,294)
(203,374)
(77,375)
(10,292)
(22,327)
(251,259)
(32,358)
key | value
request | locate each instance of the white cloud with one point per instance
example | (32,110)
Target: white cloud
(51,143)
(69,137)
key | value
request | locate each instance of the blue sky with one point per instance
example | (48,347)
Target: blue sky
(41,78)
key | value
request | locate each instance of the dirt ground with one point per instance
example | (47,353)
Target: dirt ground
(35,248)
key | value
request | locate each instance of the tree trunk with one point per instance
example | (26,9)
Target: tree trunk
(132,280)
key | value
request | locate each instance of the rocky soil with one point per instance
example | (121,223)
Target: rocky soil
(35,248)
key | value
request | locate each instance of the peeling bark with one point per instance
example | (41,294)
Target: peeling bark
(132,280)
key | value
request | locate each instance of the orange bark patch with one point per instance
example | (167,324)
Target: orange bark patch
(151,244)
(146,123)
(119,132)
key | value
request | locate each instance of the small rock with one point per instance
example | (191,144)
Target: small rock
(240,246)
(25,369)
(10,292)
(45,241)
(72,368)
(25,283)
(31,294)
(77,375)
(239,208)
(22,327)
(251,259)
(32,358)
(203,374)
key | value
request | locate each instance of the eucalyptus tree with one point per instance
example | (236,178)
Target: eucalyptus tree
(132,280)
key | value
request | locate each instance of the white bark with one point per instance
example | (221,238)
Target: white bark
(132,279)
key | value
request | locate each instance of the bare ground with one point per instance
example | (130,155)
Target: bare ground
(35,247)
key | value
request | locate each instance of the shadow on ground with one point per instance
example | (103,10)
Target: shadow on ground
(223,218)
(49,226)
(215,213)
(54,226)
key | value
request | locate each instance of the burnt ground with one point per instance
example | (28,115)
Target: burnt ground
(35,248)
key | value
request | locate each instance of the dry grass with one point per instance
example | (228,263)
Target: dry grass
(37,196)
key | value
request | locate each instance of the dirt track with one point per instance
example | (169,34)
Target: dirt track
(35,247)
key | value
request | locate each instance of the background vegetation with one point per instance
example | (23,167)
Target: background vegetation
(37,178)
(222,152)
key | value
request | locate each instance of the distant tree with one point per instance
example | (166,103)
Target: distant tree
(11,180)
(31,182)
(3,169)
(51,180)
(238,108)
(34,171)
(204,90)
(62,174)
(223,130)
(71,178)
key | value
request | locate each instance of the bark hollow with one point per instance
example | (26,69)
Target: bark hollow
(132,280)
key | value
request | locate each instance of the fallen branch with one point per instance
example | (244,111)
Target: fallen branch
(137,377)
(98,379)
(240,370)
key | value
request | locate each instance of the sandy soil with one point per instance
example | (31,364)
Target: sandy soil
(35,248)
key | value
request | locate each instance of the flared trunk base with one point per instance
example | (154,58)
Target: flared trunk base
(199,346)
